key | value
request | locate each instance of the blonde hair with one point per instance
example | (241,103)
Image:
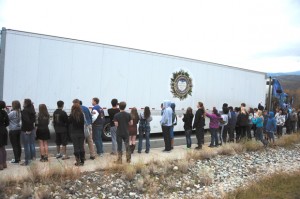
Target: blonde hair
(259,113)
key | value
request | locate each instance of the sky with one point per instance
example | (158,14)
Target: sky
(261,35)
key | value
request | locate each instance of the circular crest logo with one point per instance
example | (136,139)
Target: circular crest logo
(181,85)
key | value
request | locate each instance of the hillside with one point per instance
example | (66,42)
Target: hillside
(291,85)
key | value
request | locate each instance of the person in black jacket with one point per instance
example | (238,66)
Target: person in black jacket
(188,120)
(76,121)
(28,116)
(199,124)
(4,122)
(60,123)
(242,122)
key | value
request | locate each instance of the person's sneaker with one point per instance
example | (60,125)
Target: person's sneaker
(146,151)
(58,155)
(92,158)
(198,148)
(167,151)
(100,154)
(113,153)
(139,152)
(64,157)
(24,164)
(13,161)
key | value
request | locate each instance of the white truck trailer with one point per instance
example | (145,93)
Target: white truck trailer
(48,68)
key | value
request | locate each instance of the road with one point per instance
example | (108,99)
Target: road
(156,141)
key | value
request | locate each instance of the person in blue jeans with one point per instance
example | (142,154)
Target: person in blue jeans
(188,120)
(28,117)
(144,128)
(97,127)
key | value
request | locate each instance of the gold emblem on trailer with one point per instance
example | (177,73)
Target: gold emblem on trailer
(181,85)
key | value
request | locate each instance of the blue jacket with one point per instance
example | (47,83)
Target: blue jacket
(271,124)
(87,114)
(259,121)
(166,119)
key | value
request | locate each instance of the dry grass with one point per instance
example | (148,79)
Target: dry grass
(226,149)
(204,154)
(288,140)
(205,176)
(253,145)
(280,185)
(52,172)
(129,172)
(42,193)
(27,191)
(183,166)
(237,147)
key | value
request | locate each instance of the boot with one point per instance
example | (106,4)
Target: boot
(42,158)
(132,148)
(77,163)
(82,158)
(119,160)
(1,167)
(4,165)
(45,158)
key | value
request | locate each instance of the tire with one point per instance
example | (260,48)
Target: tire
(106,132)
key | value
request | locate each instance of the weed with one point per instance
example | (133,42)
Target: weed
(26,191)
(183,166)
(253,145)
(129,172)
(280,185)
(226,150)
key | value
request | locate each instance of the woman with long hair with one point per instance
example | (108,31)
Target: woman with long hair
(188,119)
(132,129)
(42,132)
(144,128)
(28,131)
(4,122)
(214,126)
(242,122)
(76,121)
(15,130)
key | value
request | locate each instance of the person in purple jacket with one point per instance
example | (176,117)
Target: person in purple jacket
(214,126)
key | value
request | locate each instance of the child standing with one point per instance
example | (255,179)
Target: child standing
(214,126)
(271,127)
(188,119)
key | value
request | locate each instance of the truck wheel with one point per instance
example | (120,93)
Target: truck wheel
(106,132)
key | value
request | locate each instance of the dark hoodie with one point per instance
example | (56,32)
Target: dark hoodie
(271,124)
(188,119)
(28,118)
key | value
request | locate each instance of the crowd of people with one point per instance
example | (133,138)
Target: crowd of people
(84,126)
(236,124)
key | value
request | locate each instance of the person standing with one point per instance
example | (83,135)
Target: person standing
(60,124)
(42,132)
(76,121)
(280,120)
(133,128)
(144,128)
(28,117)
(199,124)
(298,122)
(259,122)
(242,122)
(174,123)
(224,125)
(214,126)
(166,123)
(231,123)
(15,131)
(294,120)
(188,120)
(89,138)
(113,129)
(4,122)
(97,126)
(271,127)
(122,120)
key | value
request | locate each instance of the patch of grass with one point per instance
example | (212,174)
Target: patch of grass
(204,154)
(26,192)
(280,185)
(139,166)
(52,172)
(253,145)
(237,147)
(226,149)
(129,172)
(288,140)
(42,193)
(183,166)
